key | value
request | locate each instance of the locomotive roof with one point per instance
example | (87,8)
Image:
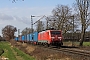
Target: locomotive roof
(48,31)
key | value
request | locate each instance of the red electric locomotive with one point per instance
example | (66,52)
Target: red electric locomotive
(50,37)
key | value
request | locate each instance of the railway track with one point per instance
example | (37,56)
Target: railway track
(72,51)
(68,50)
(76,51)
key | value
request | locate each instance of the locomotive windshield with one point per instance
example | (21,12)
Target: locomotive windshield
(55,33)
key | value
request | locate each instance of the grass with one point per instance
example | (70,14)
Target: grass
(13,53)
(77,43)
(23,55)
(7,50)
(86,43)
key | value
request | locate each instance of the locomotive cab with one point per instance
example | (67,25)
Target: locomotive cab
(56,37)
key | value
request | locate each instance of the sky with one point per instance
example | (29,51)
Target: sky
(19,14)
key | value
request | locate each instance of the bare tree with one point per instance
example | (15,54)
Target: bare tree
(40,26)
(84,14)
(26,31)
(8,32)
(51,22)
(63,16)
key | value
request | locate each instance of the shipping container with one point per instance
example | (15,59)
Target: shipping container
(35,36)
(23,38)
(16,39)
(31,37)
(28,37)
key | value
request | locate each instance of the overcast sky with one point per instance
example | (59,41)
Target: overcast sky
(18,14)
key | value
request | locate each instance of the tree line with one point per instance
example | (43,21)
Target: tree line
(63,18)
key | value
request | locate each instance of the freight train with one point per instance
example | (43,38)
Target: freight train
(48,37)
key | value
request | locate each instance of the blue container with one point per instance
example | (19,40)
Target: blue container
(35,36)
(31,37)
(28,37)
(16,39)
(23,38)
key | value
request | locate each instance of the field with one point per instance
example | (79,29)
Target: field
(86,44)
(12,53)
(76,43)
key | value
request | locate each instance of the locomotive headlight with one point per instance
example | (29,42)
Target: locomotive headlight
(60,38)
(52,38)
